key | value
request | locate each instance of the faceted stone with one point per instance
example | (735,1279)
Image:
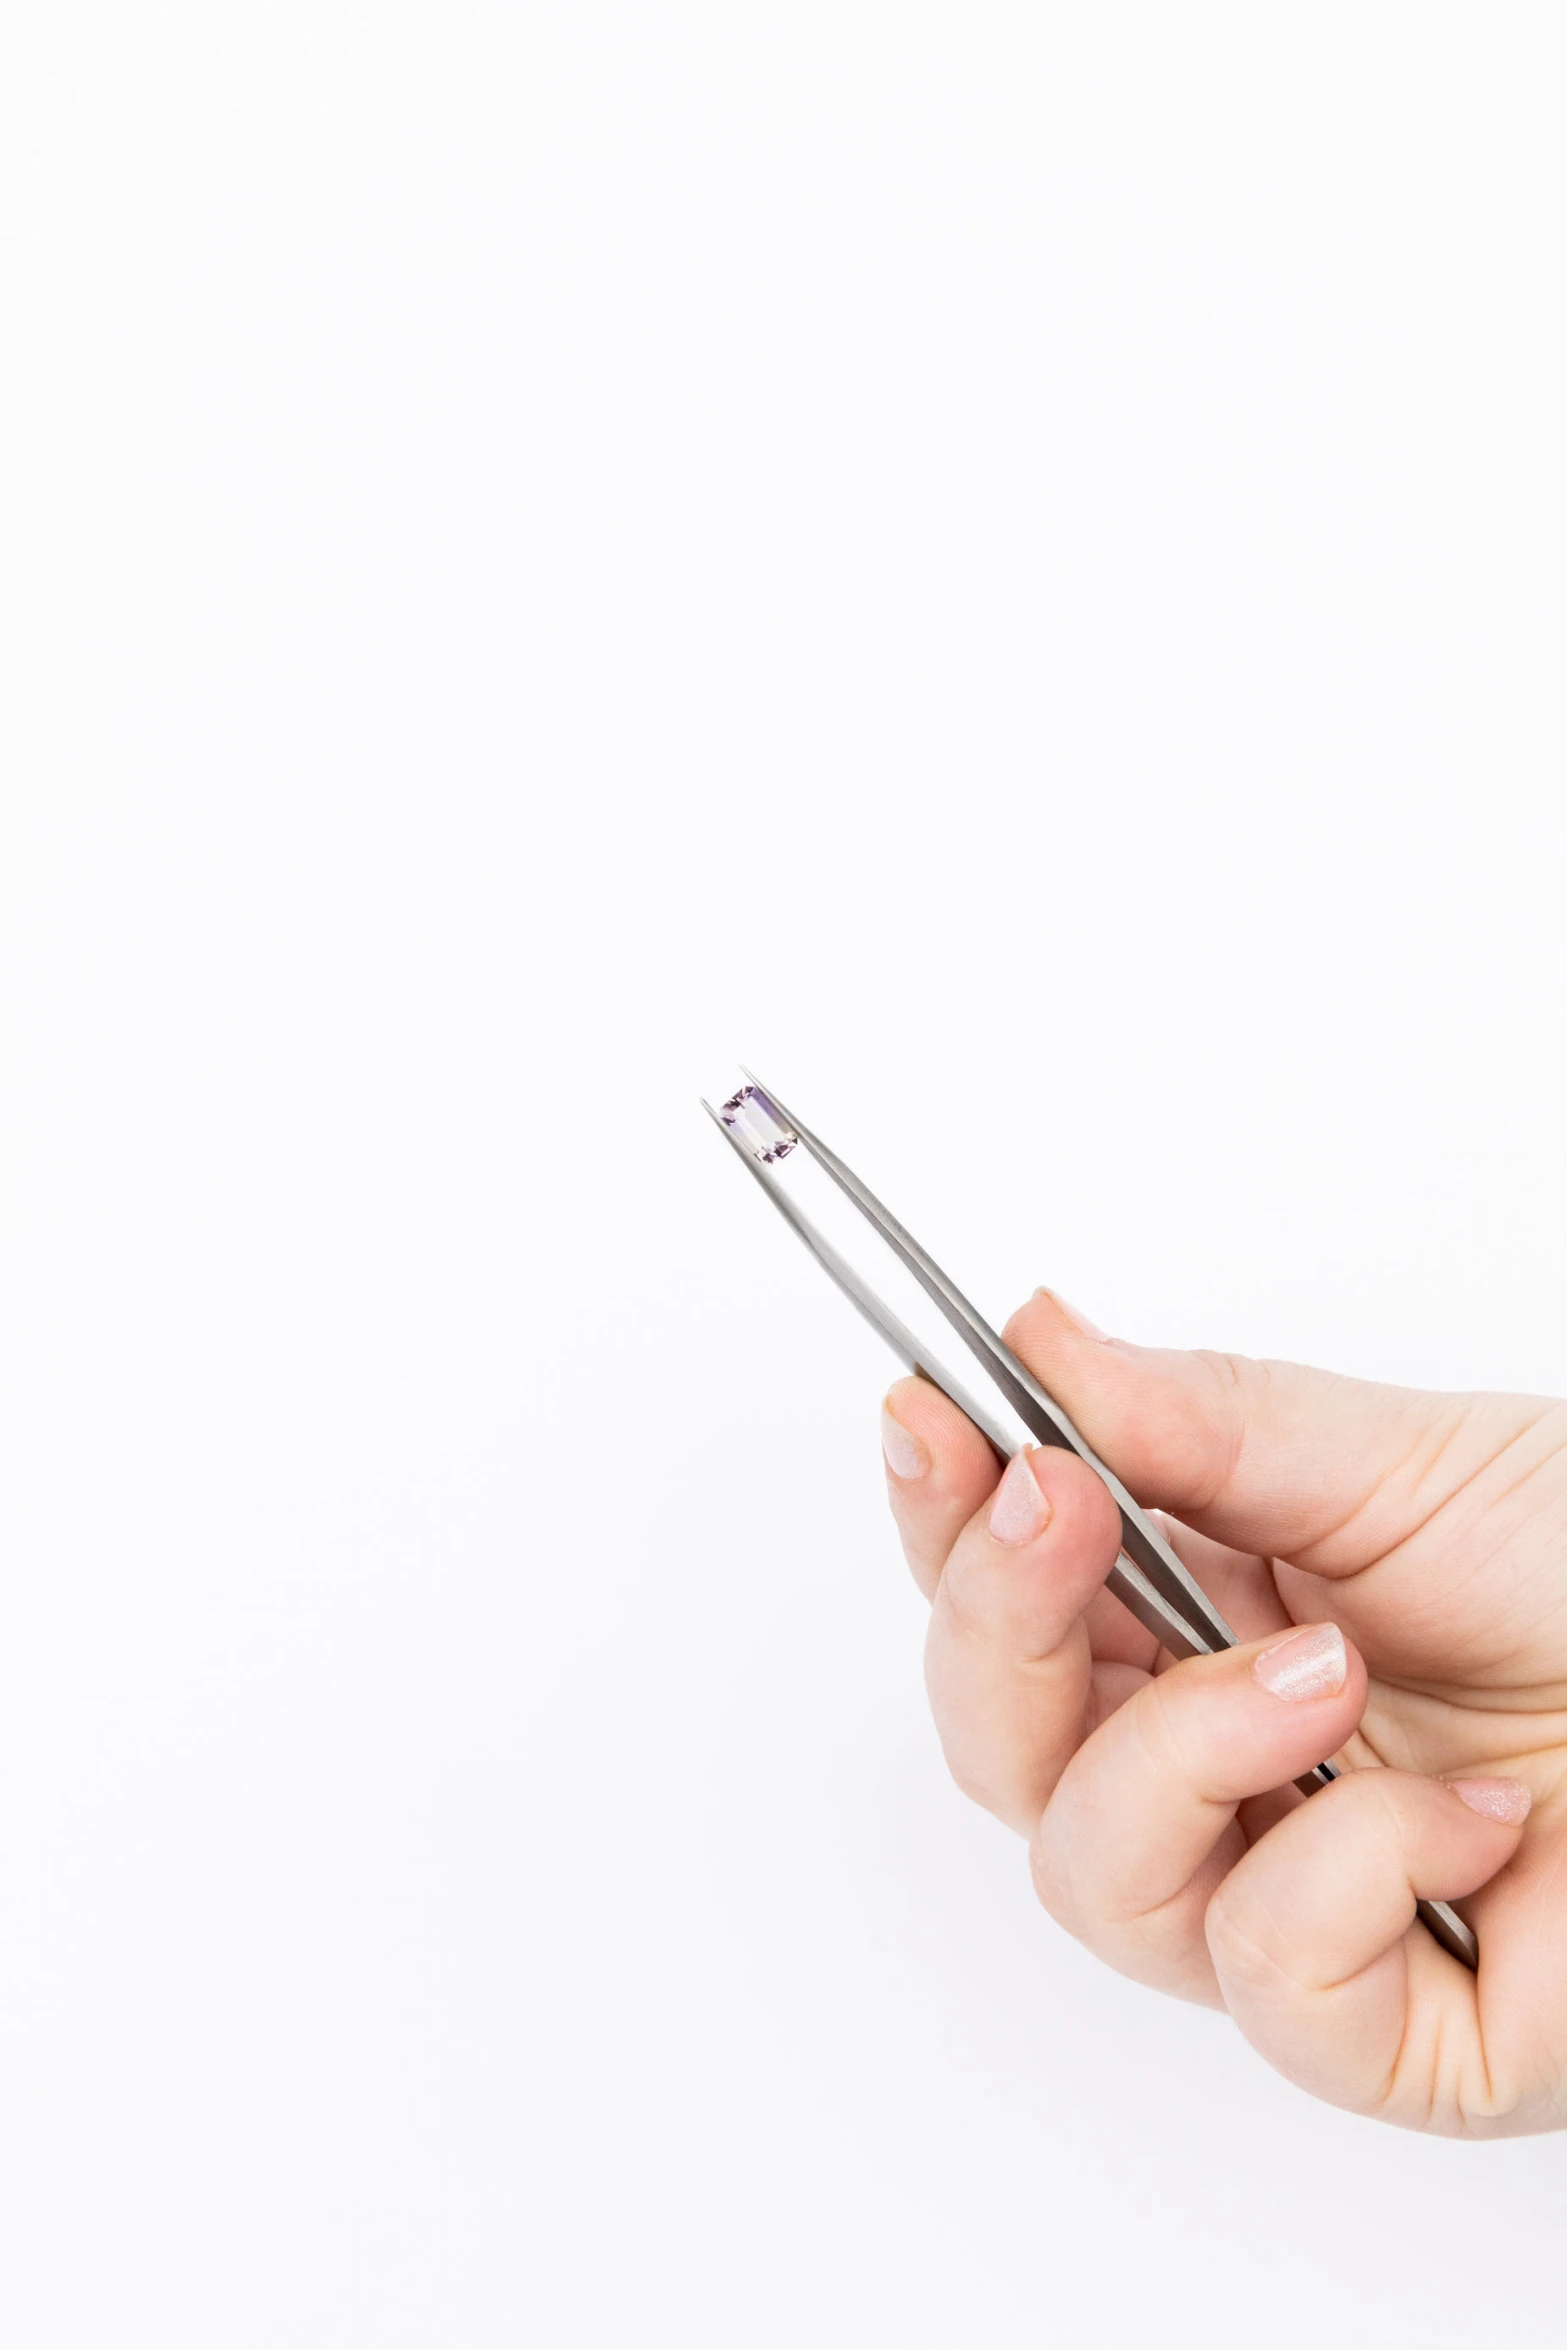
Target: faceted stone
(751,1116)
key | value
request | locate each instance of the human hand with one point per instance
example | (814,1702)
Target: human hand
(1424,1538)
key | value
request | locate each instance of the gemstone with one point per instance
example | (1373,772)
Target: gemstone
(752,1118)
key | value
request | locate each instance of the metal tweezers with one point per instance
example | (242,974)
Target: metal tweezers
(1147,1578)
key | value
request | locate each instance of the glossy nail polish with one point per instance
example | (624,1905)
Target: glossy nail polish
(1019,1512)
(904,1454)
(1312,1663)
(1507,1800)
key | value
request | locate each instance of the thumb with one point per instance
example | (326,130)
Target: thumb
(1269,1457)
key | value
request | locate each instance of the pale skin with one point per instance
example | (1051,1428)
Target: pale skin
(1164,1833)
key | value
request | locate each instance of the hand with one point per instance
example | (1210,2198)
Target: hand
(1421,1541)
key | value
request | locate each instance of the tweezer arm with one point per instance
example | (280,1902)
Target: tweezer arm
(1150,1605)
(1147,1578)
(882,1320)
(1141,1539)
(1126,1578)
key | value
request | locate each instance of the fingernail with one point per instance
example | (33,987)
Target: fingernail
(1019,1511)
(1069,1313)
(1313,1663)
(1507,1800)
(906,1457)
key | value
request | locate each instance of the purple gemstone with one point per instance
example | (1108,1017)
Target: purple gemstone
(750,1115)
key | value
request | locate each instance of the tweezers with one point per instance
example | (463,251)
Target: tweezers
(1147,1578)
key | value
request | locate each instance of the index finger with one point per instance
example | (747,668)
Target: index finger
(1008,1660)
(939,1470)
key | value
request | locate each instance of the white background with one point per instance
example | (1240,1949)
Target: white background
(1002,563)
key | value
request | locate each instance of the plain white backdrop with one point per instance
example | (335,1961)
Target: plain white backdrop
(1002,563)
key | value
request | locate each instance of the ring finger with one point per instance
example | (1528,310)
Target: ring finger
(1142,1824)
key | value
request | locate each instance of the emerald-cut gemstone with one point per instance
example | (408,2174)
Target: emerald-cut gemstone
(751,1117)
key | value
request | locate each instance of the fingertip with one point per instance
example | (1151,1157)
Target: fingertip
(1506,1801)
(1037,1548)
(927,1440)
(1331,1889)
(1158,1415)
(1314,1682)
(907,1456)
(1308,1663)
(1072,1491)
(1048,1316)
(1073,1316)
(904,1395)
(1020,1508)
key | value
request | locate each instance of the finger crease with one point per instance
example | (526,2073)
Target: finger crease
(1481,1469)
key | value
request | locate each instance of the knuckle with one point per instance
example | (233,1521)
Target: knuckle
(1239,1381)
(1233,1372)
(1383,1804)
(977,1785)
(1244,1942)
(979,1611)
(1052,1883)
(915,1552)
(1401,1808)
(975,1770)
(925,1567)
(966,1613)
(1169,1729)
